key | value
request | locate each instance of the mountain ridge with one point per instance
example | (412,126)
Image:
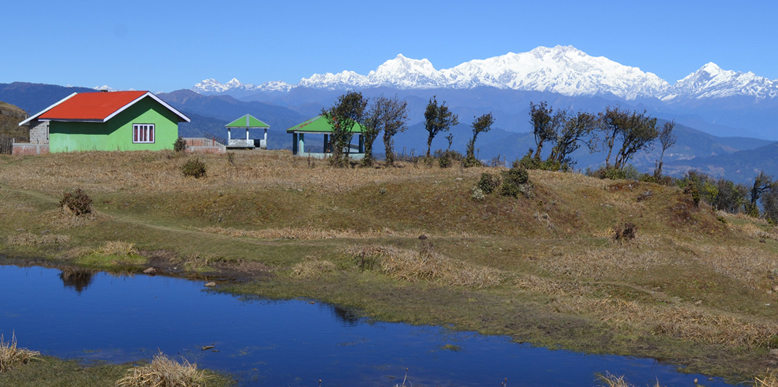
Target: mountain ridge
(562,69)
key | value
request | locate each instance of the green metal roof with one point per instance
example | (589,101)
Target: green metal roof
(319,124)
(247,121)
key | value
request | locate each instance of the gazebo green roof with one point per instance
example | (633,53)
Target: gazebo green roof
(247,121)
(319,124)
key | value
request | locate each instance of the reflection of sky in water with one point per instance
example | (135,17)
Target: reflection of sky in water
(284,343)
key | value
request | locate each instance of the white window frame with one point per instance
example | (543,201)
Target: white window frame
(144,133)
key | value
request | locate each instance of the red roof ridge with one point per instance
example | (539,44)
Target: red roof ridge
(99,106)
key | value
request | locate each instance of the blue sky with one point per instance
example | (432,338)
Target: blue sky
(169,45)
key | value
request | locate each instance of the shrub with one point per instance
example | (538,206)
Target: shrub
(628,172)
(529,162)
(471,161)
(447,158)
(515,181)
(692,189)
(180,145)
(626,232)
(488,183)
(77,202)
(478,194)
(194,167)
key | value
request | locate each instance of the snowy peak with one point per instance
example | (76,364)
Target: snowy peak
(211,86)
(711,81)
(562,69)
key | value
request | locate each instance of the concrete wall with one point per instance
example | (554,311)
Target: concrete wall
(204,145)
(39,132)
(26,149)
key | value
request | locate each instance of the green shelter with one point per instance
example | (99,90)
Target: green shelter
(246,122)
(319,125)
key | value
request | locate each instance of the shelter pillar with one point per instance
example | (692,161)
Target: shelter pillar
(228,136)
(361,144)
(294,144)
(302,143)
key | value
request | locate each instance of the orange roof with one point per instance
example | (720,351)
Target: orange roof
(91,106)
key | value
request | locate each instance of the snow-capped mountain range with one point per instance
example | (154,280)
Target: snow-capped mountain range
(561,69)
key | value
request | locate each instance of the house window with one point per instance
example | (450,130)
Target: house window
(143,133)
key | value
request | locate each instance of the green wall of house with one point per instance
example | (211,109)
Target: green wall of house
(116,134)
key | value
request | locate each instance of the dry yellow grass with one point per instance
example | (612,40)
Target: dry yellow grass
(611,380)
(747,264)
(117,248)
(28,239)
(757,232)
(165,372)
(769,379)
(312,268)
(305,233)
(11,356)
(413,266)
(612,261)
(161,172)
(535,284)
(684,322)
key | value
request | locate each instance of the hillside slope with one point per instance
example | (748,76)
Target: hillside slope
(694,287)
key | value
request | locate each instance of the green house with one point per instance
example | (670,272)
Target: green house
(319,125)
(107,121)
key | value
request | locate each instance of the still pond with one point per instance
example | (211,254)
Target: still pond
(278,343)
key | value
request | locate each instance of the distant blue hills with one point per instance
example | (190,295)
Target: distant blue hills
(738,158)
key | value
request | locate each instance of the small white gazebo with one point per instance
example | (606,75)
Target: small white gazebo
(246,122)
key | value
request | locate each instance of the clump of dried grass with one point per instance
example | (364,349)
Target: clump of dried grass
(769,379)
(28,239)
(312,268)
(680,321)
(117,248)
(426,265)
(164,372)
(612,380)
(11,356)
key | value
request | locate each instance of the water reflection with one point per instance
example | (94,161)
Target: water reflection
(346,316)
(76,279)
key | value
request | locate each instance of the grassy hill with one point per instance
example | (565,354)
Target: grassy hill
(10,116)
(695,287)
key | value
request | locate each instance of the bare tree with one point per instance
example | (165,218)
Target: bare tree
(762,183)
(574,130)
(438,119)
(544,124)
(667,139)
(347,112)
(480,125)
(392,117)
(636,132)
